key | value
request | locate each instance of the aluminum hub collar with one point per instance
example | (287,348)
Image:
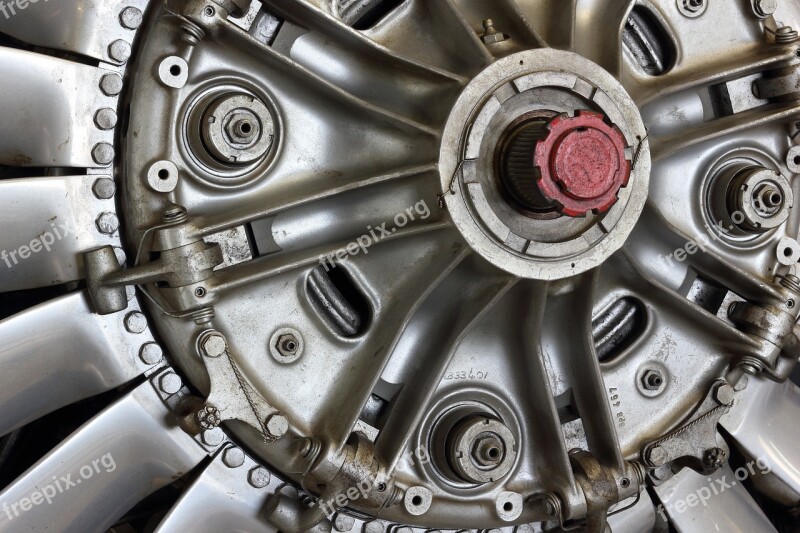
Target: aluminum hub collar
(526,83)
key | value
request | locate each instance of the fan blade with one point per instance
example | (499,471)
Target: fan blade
(47,109)
(60,352)
(80,26)
(47,224)
(103,469)
(222,498)
(719,502)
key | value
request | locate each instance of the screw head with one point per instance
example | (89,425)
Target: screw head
(170,383)
(214,345)
(135,322)
(130,18)
(233,457)
(105,118)
(104,188)
(119,51)
(259,477)
(213,437)
(150,353)
(111,84)
(103,154)
(276,425)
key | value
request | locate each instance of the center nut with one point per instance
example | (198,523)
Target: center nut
(574,165)
(545,164)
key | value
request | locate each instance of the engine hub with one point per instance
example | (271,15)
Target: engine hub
(545,164)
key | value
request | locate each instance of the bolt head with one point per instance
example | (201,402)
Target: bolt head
(103,154)
(104,188)
(214,345)
(170,383)
(150,353)
(276,425)
(724,394)
(233,457)
(765,8)
(105,118)
(135,322)
(111,84)
(343,522)
(259,477)
(119,51)
(213,437)
(130,18)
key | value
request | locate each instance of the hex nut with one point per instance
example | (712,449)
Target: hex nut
(657,456)
(652,380)
(213,344)
(259,477)
(276,425)
(286,345)
(765,8)
(374,526)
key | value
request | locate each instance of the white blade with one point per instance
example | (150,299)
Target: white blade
(222,498)
(60,352)
(46,119)
(47,224)
(102,470)
(80,26)
(719,502)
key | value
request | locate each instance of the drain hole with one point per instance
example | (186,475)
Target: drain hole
(648,42)
(338,300)
(618,326)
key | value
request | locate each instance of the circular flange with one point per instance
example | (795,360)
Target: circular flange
(514,87)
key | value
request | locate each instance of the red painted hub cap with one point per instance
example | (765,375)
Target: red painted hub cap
(582,163)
